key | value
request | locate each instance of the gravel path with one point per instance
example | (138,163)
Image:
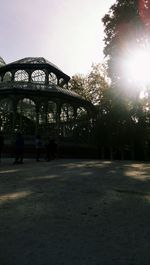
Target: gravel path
(74,212)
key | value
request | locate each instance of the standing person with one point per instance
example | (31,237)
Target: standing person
(38,146)
(19,149)
(1,144)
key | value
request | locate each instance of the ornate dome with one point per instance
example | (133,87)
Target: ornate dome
(35,60)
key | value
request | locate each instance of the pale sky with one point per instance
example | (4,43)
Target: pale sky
(69,33)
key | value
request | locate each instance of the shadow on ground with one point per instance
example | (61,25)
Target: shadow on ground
(75,212)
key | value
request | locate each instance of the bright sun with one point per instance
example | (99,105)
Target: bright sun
(137,66)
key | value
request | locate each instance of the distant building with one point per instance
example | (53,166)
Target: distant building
(34,98)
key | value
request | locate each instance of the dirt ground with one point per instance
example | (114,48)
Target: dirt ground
(74,212)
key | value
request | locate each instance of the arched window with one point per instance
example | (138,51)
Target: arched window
(38,76)
(26,107)
(67,112)
(47,112)
(21,75)
(53,79)
(26,117)
(61,82)
(7,77)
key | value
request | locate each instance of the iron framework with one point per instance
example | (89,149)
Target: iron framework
(35,99)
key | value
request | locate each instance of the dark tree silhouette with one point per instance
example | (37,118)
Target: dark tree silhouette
(127,27)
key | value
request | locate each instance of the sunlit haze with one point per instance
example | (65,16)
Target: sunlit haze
(137,66)
(68,33)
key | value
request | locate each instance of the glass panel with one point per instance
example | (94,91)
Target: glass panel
(61,82)
(26,118)
(38,76)
(67,112)
(21,75)
(7,77)
(53,78)
(27,108)
(51,111)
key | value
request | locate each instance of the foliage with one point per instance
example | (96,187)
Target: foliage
(127,27)
(78,85)
(97,84)
(93,85)
(126,125)
(122,30)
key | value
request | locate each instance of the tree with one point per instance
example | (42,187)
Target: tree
(92,86)
(95,87)
(126,28)
(97,84)
(78,85)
